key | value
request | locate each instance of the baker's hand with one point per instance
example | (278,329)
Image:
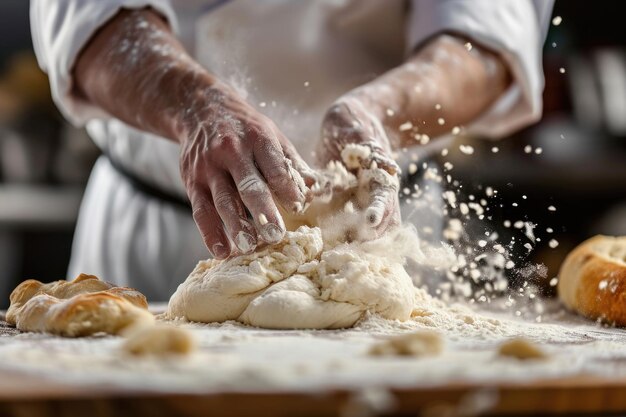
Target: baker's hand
(233,159)
(349,121)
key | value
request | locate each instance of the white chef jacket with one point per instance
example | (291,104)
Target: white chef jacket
(291,59)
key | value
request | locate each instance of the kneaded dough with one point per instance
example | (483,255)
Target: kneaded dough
(299,284)
(325,274)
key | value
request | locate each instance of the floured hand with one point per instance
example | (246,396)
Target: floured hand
(234,159)
(348,122)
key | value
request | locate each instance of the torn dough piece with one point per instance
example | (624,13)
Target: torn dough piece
(343,195)
(422,343)
(159,340)
(81,307)
(522,349)
(297,284)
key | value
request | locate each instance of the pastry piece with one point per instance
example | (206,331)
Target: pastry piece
(592,279)
(159,340)
(522,349)
(418,344)
(81,307)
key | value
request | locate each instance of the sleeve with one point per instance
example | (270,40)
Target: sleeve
(61,28)
(516,29)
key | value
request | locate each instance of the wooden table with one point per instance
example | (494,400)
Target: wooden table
(22,396)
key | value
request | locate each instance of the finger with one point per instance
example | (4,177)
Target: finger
(209,223)
(307,173)
(285,182)
(257,197)
(384,163)
(391,217)
(232,212)
(381,197)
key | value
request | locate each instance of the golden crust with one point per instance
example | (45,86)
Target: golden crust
(80,307)
(592,279)
(132,296)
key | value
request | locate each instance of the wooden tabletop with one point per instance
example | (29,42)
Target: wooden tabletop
(22,396)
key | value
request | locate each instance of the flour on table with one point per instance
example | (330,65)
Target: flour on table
(233,357)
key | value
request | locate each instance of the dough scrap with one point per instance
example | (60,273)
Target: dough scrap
(522,349)
(81,307)
(419,344)
(159,340)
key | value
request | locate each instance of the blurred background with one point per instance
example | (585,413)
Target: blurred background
(573,161)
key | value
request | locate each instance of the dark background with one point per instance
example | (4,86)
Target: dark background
(44,162)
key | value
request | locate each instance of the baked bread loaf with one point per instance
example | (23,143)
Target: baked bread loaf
(592,279)
(82,307)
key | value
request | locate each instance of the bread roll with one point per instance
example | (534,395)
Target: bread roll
(81,307)
(592,279)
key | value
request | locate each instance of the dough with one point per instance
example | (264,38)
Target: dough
(522,349)
(423,343)
(81,307)
(325,274)
(298,284)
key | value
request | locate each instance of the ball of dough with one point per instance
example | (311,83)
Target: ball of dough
(298,284)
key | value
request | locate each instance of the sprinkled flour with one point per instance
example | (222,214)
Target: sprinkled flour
(234,357)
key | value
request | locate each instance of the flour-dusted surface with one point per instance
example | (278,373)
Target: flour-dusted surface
(234,357)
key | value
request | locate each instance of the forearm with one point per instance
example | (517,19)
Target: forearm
(128,65)
(235,163)
(443,85)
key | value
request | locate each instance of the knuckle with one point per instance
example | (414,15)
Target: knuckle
(225,143)
(336,110)
(264,141)
(196,190)
(252,185)
(278,178)
(200,214)
(224,199)
(261,133)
